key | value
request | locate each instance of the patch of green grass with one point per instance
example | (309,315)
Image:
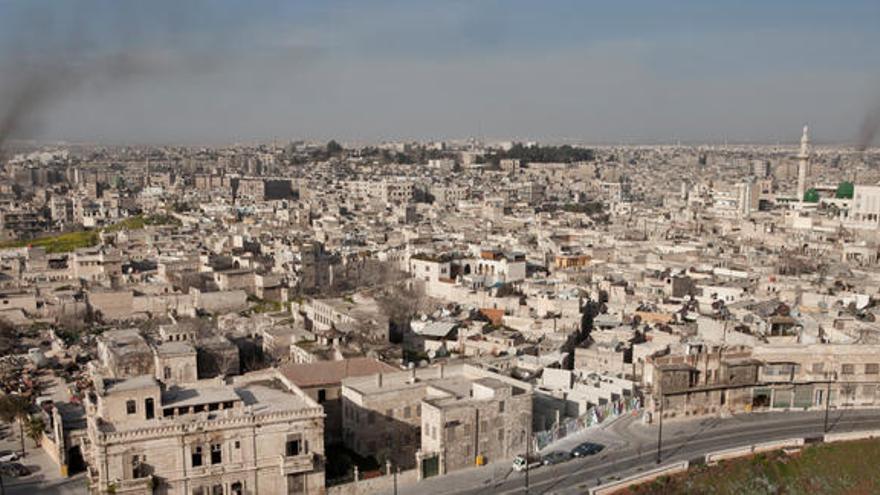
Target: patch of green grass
(61,243)
(263,306)
(130,223)
(71,241)
(830,469)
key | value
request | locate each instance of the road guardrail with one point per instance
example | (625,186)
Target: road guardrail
(638,479)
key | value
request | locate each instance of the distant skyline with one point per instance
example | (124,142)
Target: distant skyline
(596,72)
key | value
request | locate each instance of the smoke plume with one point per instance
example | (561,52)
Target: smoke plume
(40,68)
(869,129)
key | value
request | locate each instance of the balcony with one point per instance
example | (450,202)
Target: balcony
(136,486)
(296,464)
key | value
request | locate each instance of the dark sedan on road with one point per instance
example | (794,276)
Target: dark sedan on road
(587,449)
(555,457)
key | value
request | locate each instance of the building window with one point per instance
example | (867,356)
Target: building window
(216,453)
(818,367)
(407,412)
(217,490)
(198,491)
(131,407)
(150,408)
(501,407)
(237,444)
(197,456)
(872,369)
(166,372)
(322,396)
(848,369)
(294,446)
(237,488)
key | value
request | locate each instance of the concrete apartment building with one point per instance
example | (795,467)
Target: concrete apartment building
(384,191)
(96,264)
(412,418)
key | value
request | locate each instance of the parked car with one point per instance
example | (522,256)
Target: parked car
(520,463)
(9,457)
(555,457)
(14,469)
(587,449)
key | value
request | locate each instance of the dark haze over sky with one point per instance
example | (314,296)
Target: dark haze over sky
(632,71)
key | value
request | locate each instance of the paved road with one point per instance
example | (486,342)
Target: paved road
(632,447)
(46,476)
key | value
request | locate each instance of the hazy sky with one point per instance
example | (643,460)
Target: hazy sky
(633,71)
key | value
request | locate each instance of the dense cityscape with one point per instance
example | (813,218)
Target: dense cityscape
(311,317)
(439,248)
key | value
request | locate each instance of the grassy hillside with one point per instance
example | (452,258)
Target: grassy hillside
(848,468)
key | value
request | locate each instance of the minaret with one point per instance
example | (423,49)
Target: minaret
(803,158)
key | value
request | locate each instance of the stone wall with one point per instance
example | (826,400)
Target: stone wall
(221,301)
(381,484)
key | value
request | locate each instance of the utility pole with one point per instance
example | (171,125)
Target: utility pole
(528,454)
(828,399)
(660,431)
(396,471)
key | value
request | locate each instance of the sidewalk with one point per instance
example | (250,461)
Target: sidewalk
(45,474)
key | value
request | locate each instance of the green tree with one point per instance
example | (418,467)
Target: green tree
(14,407)
(35,427)
(334,148)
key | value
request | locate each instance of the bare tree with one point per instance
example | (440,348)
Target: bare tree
(401,302)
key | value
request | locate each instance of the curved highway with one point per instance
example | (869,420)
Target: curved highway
(632,447)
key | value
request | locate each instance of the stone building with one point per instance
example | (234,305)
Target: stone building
(383,416)
(766,377)
(125,353)
(477,422)
(260,434)
(705,380)
(322,381)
